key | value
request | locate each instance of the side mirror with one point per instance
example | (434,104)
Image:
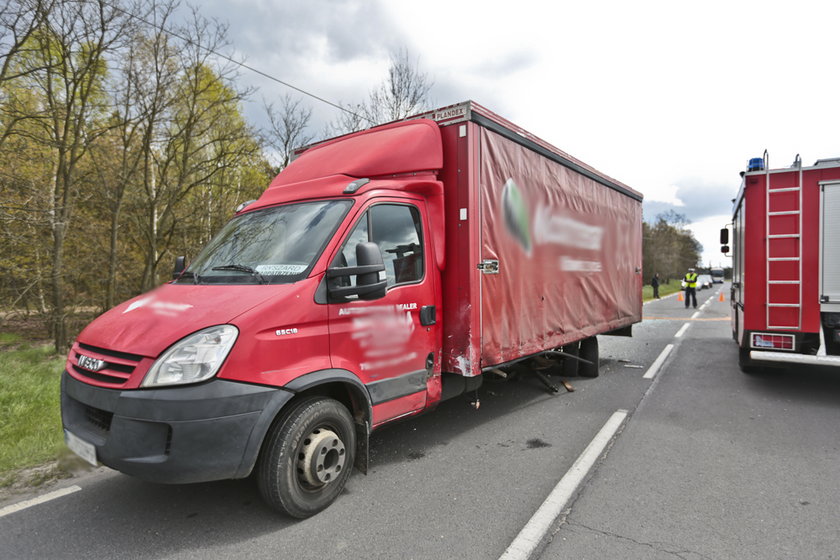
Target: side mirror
(724,249)
(180,265)
(724,236)
(369,266)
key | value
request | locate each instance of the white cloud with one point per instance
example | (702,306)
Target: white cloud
(671,98)
(707,232)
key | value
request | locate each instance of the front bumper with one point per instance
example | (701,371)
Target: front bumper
(788,358)
(173,435)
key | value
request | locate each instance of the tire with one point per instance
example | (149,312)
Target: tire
(745,363)
(570,365)
(589,351)
(307,457)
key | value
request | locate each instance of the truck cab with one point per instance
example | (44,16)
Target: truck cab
(286,306)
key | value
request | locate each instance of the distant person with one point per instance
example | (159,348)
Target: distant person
(654,282)
(690,281)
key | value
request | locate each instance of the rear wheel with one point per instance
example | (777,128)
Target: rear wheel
(745,362)
(589,352)
(307,457)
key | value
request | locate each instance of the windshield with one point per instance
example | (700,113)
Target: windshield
(276,245)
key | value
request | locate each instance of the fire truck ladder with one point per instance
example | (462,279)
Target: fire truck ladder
(784,288)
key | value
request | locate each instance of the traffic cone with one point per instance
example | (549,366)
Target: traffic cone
(721,298)
(680,297)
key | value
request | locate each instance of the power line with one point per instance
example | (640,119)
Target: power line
(238,63)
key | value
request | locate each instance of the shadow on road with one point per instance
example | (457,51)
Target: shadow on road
(799,383)
(125,517)
(412,438)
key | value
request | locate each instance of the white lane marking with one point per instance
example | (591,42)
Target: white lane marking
(682,330)
(39,500)
(696,314)
(654,368)
(529,539)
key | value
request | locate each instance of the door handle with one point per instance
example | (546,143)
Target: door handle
(427,315)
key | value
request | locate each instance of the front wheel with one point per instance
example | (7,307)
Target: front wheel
(307,457)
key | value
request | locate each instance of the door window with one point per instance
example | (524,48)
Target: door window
(397,230)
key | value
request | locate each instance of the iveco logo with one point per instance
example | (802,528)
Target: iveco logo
(90,364)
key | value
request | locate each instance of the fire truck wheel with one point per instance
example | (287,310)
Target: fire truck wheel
(589,351)
(745,363)
(307,457)
(570,365)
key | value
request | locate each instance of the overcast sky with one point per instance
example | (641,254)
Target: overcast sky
(669,97)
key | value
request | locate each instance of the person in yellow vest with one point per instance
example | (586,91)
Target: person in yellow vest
(690,281)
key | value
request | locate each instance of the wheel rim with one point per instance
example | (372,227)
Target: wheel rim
(321,458)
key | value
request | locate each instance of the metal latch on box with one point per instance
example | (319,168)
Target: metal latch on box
(489,266)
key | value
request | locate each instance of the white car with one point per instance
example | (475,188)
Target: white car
(704,281)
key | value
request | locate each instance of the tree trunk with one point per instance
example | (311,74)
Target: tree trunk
(111,292)
(58,319)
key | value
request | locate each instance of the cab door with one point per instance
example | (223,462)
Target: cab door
(389,343)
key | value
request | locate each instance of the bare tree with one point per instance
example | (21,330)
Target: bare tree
(143,91)
(287,129)
(127,139)
(204,137)
(19,21)
(404,92)
(67,68)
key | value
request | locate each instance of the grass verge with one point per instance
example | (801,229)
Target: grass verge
(664,289)
(30,433)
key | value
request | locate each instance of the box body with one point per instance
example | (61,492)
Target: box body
(786,258)
(542,250)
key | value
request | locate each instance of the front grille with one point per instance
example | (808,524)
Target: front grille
(114,353)
(99,420)
(101,377)
(168,445)
(114,370)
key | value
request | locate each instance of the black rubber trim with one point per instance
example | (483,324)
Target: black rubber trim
(389,389)
(304,382)
(481,120)
(114,353)
(324,376)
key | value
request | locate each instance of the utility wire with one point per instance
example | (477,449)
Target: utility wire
(238,63)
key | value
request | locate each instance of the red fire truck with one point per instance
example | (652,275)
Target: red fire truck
(786,264)
(379,274)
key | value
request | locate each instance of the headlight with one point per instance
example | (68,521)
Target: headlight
(192,359)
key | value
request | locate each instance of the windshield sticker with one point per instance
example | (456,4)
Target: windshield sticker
(280,269)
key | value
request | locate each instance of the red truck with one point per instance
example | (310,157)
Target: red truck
(379,273)
(786,264)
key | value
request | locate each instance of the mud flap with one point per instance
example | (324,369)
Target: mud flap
(362,446)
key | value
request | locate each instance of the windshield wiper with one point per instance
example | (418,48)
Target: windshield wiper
(243,268)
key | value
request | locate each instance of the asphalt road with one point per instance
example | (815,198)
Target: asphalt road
(710,463)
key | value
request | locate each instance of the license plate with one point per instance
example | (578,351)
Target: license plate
(80,447)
